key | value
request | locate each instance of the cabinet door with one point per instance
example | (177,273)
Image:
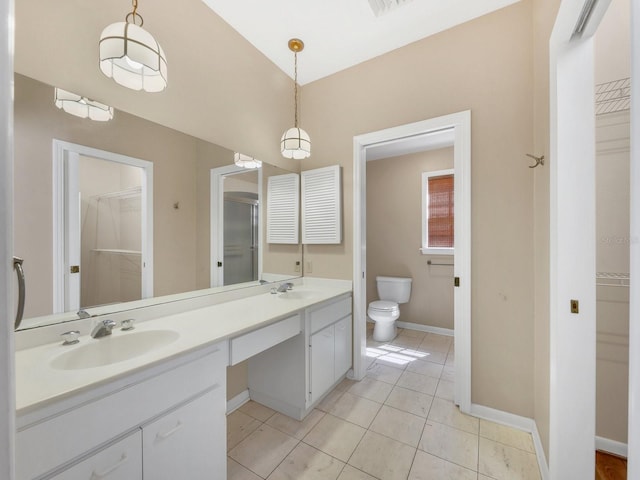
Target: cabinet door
(120,461)
(189,442)
(322,351)
(343,347)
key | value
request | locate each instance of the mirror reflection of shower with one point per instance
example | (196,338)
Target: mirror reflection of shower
(111,232)
(241,219)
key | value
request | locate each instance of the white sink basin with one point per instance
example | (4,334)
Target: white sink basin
(298,294)
(113,349)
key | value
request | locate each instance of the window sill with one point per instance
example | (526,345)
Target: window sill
(437,251)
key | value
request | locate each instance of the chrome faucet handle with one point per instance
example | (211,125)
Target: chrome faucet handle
(127,324)
(71,338)
(103,328)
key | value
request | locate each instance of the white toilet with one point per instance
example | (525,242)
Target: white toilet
(384,312)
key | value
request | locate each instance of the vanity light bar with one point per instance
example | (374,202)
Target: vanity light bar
(82,106)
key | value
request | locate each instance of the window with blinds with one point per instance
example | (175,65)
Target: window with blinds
(438,212)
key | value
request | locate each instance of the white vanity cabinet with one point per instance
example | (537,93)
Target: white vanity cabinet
(293,376)
(330,346)
(165,421)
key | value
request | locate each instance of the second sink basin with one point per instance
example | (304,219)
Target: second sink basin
(298,294)
(113,349)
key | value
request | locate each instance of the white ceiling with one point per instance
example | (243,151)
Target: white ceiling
(341,33)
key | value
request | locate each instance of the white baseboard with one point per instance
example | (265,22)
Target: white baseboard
(521,423)
(237,401)
(426,328)
(611,446)
(542,458)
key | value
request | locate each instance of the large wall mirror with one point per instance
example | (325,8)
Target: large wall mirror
(116,211)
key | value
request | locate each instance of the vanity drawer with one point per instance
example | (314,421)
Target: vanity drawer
(83,428)
(248,345)
(189,442)
(327,314)
(123,459)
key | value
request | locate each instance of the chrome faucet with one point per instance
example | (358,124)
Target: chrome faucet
(103,328)
(285,286)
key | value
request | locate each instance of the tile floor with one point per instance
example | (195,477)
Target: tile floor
(399,422)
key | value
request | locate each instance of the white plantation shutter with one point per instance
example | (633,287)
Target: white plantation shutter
(283,207)
(321,206)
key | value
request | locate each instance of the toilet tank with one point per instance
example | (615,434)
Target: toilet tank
(394,289)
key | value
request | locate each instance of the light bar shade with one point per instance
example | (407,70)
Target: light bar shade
(296,144)
(132,57)
(245,161)
(82,106)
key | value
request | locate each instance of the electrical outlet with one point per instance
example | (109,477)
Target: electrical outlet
(297,267)
(308,267)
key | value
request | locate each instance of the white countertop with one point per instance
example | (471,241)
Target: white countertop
(38,384)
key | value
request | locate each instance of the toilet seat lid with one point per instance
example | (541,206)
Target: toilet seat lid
(383,305)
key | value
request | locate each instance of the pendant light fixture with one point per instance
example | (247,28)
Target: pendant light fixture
(295,142)
(245,161)
(131,56)
(82,106)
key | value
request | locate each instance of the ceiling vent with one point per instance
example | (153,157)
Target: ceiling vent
(380,7)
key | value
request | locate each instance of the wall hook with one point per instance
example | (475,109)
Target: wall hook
(539,160)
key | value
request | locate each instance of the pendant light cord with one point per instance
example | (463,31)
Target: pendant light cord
(134,14)
(295,87)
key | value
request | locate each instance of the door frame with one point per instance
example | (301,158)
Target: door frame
(633,441)
(63,153)
(7,313)
(216,225)
(572,337)
(460,124)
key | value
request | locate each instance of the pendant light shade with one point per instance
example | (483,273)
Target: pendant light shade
(245,161)
(82,106)
(131,56)
(295,142)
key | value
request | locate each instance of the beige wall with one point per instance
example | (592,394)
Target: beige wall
(613,44)
(485,66)
(394,235)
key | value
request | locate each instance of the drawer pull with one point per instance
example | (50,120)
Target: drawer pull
(95,475)
(165,435)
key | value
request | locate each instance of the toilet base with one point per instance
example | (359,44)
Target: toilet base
(384,331)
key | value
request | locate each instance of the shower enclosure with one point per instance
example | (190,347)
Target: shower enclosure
(240,237)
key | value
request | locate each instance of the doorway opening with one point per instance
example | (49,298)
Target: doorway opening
(235,225)
(103,228)
(448,131)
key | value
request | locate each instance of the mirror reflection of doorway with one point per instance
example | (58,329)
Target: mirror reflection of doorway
(235,225)
(103,228)
(240,237)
